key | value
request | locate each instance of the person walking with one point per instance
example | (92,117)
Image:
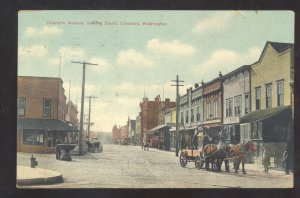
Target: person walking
(266,159)
(285,160)
(58,148)
(195,140)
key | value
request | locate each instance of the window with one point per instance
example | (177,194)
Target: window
(186,116)
(247,106)
(208,111)
(237,105)
(280,93)
(21,106)
(192,115)
(215,109)
(268,96)
(47,108)
(257,98)
(198,114)
(256,132)
(181,115)
(33,137)
(229,107)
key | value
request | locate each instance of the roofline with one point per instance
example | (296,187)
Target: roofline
(236,71)
(41,77)
(264,49)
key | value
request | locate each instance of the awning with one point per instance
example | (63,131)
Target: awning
(44,124)
(263,114)
(158,127)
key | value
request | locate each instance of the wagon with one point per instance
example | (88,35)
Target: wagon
(190,155)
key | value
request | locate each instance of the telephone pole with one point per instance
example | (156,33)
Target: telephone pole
(177,111)
(89,118)
(82,105)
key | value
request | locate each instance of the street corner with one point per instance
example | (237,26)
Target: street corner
(27,176)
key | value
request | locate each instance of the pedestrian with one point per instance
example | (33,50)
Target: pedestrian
(285,160)
(266,158)
(58,148)
(195,140)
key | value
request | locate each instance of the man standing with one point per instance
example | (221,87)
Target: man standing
(195,140)
(266,159)
(285,160)
(58,148)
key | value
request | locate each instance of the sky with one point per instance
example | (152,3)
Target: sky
(139,52)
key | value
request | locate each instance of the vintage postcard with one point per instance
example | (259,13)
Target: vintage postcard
(155,99)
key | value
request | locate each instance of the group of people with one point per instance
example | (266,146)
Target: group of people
(267,159)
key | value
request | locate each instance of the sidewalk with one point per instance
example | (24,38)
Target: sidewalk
(37,176)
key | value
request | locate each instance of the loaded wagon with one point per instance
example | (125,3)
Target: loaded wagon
(190,155)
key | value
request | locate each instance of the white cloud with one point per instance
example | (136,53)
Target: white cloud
(215,22)
(132,58)
(174,47)
(102,64)
(225,61)
(45,30)
(35,50)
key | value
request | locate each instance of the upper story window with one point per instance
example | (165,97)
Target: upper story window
(198,114)
(181,116)
(192,115)
(215,109)
(186,116)
(268,96)
(247,103)
(47,108)
(208,111)
(21,106)
(257,98)
(229,107)
(237,105)
(280,93)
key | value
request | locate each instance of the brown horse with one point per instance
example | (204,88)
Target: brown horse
(238,153)
(209,153)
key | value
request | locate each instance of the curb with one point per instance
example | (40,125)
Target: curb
(40,181)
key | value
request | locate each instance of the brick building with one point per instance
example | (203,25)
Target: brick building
(41,114)
(115,134)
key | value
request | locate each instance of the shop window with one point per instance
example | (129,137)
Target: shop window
(21,106)
(33,137)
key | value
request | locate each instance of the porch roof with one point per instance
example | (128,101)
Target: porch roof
(263,114)
(44,124)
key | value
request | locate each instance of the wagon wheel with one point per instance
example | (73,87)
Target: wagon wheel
(183,159)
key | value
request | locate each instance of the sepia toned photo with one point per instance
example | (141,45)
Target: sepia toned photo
(155,99)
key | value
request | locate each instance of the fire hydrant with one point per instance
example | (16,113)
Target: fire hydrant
(33,162)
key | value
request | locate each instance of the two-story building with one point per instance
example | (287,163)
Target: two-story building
(41,114)
(131,131)
(213,107)
(269,122)
(138,129)
(236,102)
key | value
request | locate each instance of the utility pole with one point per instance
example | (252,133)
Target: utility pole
(89,118)
(82,105)
(177,111)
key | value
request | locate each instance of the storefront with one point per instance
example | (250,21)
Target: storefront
(270,127)
(160,137)
(40,135)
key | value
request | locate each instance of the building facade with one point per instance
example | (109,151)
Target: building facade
(41,114)
(236,102)
(270,122)
(213,107)
(131,131)
(138,129)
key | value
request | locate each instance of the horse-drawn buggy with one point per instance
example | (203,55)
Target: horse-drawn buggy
(94,145)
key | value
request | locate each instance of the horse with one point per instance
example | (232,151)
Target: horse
(238,153)
(209,153)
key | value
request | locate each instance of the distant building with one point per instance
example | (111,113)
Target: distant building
(116,135)
(41,114)
(131,131)
(138,129)
(124,135)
